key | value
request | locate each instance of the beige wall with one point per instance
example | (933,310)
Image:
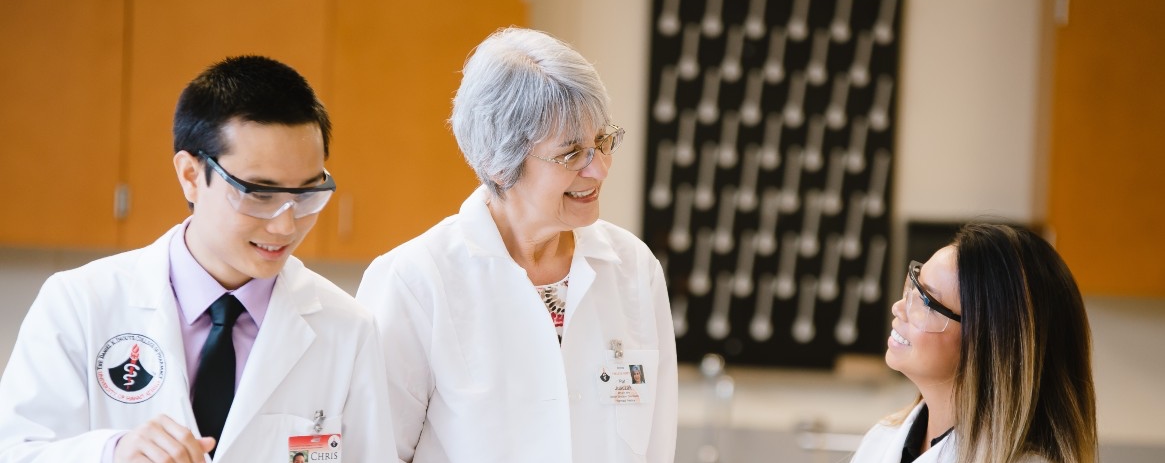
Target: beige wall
(967,116)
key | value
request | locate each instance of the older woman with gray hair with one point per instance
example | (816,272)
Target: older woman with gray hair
(511,328)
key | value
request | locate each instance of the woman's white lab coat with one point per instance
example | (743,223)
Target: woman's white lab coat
(316,350)
(476,373)
(883,444)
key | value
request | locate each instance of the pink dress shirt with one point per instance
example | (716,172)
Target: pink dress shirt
(194,290)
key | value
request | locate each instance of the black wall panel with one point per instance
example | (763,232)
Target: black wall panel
(770,147)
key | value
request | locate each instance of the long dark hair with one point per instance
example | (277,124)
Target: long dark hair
(1024,380)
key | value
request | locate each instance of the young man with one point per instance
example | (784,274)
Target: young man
(213,341)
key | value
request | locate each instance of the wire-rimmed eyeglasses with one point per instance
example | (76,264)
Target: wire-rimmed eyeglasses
(581,158)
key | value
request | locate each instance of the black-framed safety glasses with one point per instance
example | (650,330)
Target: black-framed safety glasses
(267,202)
(923,311)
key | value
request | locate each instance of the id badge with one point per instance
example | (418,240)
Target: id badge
(310,449)
(628,377)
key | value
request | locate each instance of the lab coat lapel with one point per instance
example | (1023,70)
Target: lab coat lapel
(273,356)
(479,229)
(153,295)
(524,316)
(894,453)
(590,246)
(944,452)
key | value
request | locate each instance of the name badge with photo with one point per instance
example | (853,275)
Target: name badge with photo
(628,377)
(307,449)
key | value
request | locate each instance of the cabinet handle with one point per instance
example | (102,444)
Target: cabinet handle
(344,218)
(1060,12)
(121,196)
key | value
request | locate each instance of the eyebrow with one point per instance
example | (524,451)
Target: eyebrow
(576,141)
(269,182)
(929,289)
(933,294)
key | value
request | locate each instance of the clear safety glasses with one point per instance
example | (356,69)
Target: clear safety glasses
(923,311)
(267,202)
(580,159)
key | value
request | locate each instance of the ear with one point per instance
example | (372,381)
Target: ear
(496,179)
(189,172)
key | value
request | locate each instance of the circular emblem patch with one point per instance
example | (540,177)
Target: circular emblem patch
(130,368)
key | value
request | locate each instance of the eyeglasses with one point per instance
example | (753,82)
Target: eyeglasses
(580,159)
(267,202)
(923,311)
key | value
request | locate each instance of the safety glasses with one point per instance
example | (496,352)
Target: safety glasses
(923,311)
(267,202)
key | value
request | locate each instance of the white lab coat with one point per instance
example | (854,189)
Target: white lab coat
(883,444)
(316,350)
(476,373)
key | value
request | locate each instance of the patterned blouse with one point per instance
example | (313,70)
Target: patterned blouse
(554,296)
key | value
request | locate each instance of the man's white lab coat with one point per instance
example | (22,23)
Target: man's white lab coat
(316,350)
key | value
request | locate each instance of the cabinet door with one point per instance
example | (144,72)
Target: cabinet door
(1107,194)
(61,87)
(395,68)
(172,42)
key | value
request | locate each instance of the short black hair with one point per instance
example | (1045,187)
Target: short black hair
(251,88)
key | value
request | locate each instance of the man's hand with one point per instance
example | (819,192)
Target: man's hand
(161,440)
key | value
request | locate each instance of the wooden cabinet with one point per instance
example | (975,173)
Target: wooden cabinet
(60,121)
(395,69)
(172,42)
(95,85)
(1107,198)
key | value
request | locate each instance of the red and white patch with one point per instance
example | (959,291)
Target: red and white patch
(130,368)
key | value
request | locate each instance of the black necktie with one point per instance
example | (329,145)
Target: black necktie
(214,383)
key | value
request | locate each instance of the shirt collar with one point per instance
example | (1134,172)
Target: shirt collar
(478,226)
(912,447)
(195,289)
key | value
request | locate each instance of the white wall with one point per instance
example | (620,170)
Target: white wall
(967,105)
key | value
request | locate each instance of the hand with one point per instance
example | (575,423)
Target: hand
(161,440)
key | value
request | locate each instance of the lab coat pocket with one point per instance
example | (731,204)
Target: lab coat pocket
(634,421)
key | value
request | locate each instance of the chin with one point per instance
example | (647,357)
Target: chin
(892,361)
(266,269)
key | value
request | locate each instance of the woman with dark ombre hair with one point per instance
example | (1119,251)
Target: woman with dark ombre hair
(993,332)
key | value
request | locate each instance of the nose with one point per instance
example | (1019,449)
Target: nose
(599,166)
(899,309)
(284,223)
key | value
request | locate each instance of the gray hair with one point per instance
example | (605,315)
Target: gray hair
(521,87)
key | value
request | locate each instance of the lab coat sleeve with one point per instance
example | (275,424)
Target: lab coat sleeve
(404,325)
(44,399)
(662,447)
(368,410)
